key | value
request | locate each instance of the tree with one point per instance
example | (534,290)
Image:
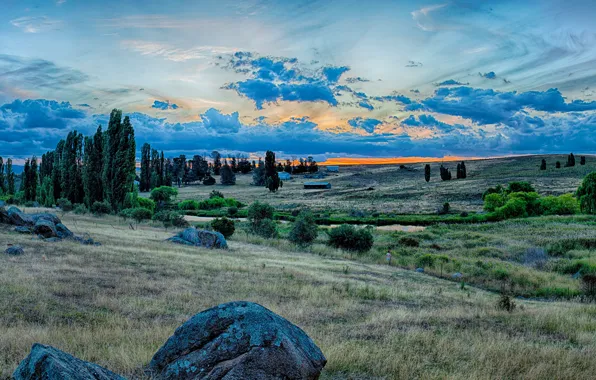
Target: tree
(258,176)
(9,177)
(543,164)
(46,192)
(111,144)
(57,169)
(2,181)
(582,160)
(445,173)
(30,178)
(558,165)
(587,194)
(145,182)
(427,172)
(71,171)
(92,168)
(272,181)
(349,238)
(228,177)
(570,160)
(305,229)
(216,162)
(163,195)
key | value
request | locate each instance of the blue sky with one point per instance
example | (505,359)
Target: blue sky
(326,78)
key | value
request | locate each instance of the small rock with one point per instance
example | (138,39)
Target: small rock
(200,238)
(420,270)
(22,230)
(15,250)
(457,276)
(47,362)
(238,340)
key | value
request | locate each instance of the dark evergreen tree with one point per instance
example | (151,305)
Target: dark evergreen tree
(162,170)
(288,166)
(272,181)
(25,177)
(155,170)
(570,160)
(461,170)
(111,145)
(279,167)
(3,186)
(543,164)
(72,165)
(145,182)
(10,188)
(200,167)
(216,162)
(244,166)
(445,173)
(582,160)
(125,165)
(57,170)
(233,165)
(558,165)
(32,180)
(312,167)
(46,165)
(427,172)
(92,168)
(227,175)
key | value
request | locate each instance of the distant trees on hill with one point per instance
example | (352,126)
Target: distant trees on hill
(445,173)
(558,165)
(461,171)
(570,160)
(543,164)
(272,181)
(427,172)
(582,160)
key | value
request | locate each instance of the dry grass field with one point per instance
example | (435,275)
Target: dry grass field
(404,191)
(117,303)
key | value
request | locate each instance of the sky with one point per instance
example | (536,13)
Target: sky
(329,78)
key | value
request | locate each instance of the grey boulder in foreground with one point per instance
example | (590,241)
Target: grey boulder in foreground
(200,238)
(49,363)
(238,340)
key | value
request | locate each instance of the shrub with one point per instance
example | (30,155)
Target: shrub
(506,303)
(259,211)
(520,187)
(232,211)
(587,194)
(170,218)
(147,203)
(305,229)
(188,204)
(493,190)
(532,199)
(351,239)
(140,213)
(216,194)
(224,226)
(101,208)
(426,261)
(80,209)
(408,241)
(493,201)
(131,199)
(444,209)
(564,204)
(514,208)
(64,204)
(266,228)
(164,194)
(588,285)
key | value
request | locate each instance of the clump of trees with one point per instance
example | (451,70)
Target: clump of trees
(461,171)
(570,160)
(445,173)
(350,238)
(228,177)
(582,160)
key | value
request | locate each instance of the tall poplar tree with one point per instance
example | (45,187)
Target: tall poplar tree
(427,172)
(271,176)
(111,144)
(57,170)
(92,168)
(2,181)
(9,177)
(145,183)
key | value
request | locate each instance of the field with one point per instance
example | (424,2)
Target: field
(117,303)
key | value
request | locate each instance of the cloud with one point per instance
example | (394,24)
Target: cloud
(366,124)
(489,75)
(37,73)
(431,122)
(221,123)
(414,64)
(423,18)
(164,105)
(366,104)
(155,49)
(352,80)
(334,73)
(35,24)
(393,98)
(451,82)
(487,106)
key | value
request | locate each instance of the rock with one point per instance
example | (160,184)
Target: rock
(18,218)
(2,203)
(457,276)
(45,229)
(238,340)
(47,362)
(63,232)
(46,216)
(15,250)
(22,230)
(4,218)
(201,238)
(420,270)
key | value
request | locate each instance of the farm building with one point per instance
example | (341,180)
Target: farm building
(317,185)
(333,169)
(284,176)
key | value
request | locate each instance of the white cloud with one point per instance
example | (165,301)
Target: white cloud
(171,53)
(35,24)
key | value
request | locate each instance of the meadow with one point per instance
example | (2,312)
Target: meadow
(115,304)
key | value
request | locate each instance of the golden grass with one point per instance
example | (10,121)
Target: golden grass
(116,304)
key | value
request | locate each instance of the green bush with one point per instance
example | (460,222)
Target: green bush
(587,194)
(520,187)
(351,239)
(532,199)
(140,214)
(564,204)
(131,199)
(408,241)
(188,204)
(147,203)
(80,209)
(305,229)
(493,201)
(426,261)
(232,211)
(164,194)
(266,228)
(514,208)
(224,226)
(493,190)
(259,211)
(170,218)
(101,208)
(217,202)
(64,204)
(216,194)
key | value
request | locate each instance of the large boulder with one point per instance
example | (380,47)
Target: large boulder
(63,231)
(15,250)
(48,363)
(45,229)
(4,218)
(18,218)
(22,230)
(200,238)
(238,340)
(46,216)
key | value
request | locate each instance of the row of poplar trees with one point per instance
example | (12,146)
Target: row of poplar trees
(7,184)
(85,169)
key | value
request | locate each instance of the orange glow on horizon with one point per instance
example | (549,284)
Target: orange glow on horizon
(392,160)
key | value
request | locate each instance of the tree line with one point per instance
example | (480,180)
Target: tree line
(445,173)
